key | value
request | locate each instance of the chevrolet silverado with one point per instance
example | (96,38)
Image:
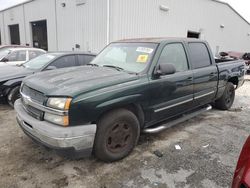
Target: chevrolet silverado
(132,86)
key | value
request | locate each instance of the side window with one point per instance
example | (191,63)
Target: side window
(85,59)
(66,61)
(17,56)
(33,54)
(174,54)
(199,55)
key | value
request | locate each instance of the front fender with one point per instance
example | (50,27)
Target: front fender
(90,110)
(120,101)
(90,106)
(13,82)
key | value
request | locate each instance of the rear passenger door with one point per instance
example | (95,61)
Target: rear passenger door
(205,73)
(65,61)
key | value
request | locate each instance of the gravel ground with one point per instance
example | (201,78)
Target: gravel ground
(210,146)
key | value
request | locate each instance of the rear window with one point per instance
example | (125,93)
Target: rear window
(199,55)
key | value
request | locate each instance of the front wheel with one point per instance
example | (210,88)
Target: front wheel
(13,95)
(117,134)
(226,100)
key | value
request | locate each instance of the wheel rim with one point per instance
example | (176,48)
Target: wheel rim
(119,137)
(229,96)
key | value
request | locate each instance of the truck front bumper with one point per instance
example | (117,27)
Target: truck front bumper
(78,138)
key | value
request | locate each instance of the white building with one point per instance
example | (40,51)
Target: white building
(89,25)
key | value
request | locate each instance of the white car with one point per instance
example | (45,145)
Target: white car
(17,56)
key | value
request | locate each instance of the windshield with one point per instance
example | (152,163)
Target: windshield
(4,53)
(39,62)
(131,57)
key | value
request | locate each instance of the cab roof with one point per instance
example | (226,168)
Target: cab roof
(159,39)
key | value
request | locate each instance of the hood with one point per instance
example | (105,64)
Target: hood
(76,80)
(8,72)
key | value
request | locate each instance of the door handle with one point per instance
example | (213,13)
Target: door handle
(190,78)
(212,74)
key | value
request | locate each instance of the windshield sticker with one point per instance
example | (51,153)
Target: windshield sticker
(145,50)
(142,59)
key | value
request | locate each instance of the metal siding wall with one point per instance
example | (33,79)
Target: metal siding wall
(81,24)
(2,29)
(143,18)
(86,24)
(41,10)
(91,25)
(66,24)
(14,16)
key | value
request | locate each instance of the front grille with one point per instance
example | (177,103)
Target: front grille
(33,94)
(35,113)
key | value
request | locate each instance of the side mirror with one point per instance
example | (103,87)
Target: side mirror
(165,69)
(51,68)
(4,60)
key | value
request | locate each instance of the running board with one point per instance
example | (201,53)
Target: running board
(183,118)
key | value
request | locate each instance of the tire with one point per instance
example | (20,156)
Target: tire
(13,95)
(227,99)
(117,134)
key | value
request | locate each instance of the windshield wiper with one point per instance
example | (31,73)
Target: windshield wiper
(92,64)
(19,65)
(119,69)
(115,67)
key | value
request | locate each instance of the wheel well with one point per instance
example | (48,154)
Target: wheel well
(10,88)
(234,80)
(134,108)
(137,110)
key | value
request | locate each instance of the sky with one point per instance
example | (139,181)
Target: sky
(7,3)
(242,6)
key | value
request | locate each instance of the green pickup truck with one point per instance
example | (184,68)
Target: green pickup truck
(132,86)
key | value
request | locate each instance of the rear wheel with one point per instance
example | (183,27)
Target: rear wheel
(117,134)
(227,99)
(13,95)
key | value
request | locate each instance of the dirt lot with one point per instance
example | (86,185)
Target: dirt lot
(210,145)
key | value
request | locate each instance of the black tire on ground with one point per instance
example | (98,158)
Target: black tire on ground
(227,99)
(117,134)
(13,95)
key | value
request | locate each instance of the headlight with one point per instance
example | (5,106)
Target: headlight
(57,119)
(59,103)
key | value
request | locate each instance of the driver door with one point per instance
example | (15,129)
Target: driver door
(172,94)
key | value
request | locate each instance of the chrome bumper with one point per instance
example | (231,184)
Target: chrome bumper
(78,137)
